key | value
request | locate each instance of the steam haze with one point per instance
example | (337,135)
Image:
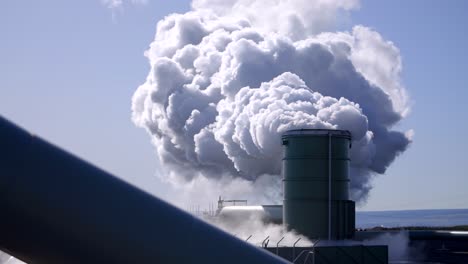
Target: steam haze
(229,77)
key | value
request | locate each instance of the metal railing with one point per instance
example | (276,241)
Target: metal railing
(294,248)
(277,245)
(308,252)
(265,242)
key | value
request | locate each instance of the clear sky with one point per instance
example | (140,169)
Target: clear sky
(68,70)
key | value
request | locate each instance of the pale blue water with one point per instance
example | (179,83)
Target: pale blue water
(441,217)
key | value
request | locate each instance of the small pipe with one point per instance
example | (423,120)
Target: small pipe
(294,248)
(263,242)
(313,250)
(315,244)
(248,238)
(277,245)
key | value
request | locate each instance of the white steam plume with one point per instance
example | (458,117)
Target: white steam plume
(224,86)
(295,19)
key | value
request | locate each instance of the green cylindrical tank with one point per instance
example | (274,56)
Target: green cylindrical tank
(316,183)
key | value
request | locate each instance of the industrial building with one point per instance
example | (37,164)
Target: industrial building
(317,205)
(91,216)
(316,200)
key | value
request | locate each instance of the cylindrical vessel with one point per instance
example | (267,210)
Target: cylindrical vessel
(316,183)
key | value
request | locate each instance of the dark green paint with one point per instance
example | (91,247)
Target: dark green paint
(306,183)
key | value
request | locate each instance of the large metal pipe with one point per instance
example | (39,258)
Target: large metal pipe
(56,208)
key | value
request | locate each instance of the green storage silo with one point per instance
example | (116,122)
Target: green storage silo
(316,183)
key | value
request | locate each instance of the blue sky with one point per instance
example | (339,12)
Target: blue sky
(69,68)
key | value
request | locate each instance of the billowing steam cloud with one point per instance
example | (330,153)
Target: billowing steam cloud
(228,78)
(296,19)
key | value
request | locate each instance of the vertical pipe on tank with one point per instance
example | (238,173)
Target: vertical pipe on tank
(329,185)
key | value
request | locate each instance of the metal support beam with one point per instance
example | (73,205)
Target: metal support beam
(57,208)
(329,185)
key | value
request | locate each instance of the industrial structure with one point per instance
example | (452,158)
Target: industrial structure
(316,183)
(317,205)
(316,187)
(57,208)
(316,199)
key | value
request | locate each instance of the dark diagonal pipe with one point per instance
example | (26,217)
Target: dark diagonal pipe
(57,208)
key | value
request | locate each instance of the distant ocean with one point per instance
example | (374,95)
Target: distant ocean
(441,217)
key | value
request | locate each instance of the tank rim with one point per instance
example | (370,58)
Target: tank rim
(317,132)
